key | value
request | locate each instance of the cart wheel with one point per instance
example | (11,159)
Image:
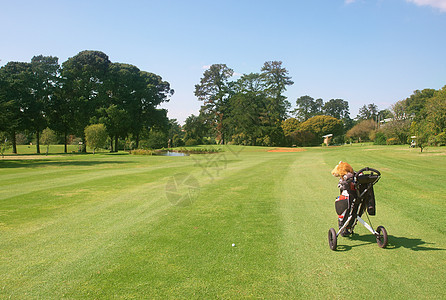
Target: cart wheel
(381,238)
(332,239)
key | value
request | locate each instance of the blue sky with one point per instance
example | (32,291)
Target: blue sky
(362,51)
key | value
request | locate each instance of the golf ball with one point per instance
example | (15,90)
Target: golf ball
(233,245)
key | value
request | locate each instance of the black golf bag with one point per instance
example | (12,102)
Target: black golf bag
(350,190)
(357,197)
(369,198)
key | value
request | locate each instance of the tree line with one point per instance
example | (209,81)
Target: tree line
(253,111)
(420,119)
(86,89)
(249,110)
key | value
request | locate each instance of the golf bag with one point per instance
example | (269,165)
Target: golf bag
(357,197)
(342,206)
(350,189)
(369,199)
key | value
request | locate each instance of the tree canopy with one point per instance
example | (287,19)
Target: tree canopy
(88,88)
(247,111)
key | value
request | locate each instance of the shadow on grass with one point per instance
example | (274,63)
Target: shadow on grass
(394,242)
(35,163)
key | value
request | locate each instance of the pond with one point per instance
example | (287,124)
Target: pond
(170,153)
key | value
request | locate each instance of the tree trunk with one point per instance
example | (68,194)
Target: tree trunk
(116,143)
(38,142)
(14,143)
(137,141)
(84,143)
(111,144)
(65,142)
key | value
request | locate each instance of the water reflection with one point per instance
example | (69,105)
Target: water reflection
(170,153)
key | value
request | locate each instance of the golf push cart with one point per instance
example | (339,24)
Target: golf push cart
(359,199)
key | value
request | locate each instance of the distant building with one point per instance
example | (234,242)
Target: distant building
(384,121)
(327,138)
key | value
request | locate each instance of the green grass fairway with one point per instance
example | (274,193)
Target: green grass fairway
(122,226)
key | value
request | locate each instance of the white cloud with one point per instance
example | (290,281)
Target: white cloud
(349,1)
(440,4)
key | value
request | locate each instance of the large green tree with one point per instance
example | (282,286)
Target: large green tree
(415,104)
(122,110)
(432,129)
(252,82)
(247,109)
(60,112)
(289,127)
(337,108)
(307,107)
(5,103)
(276,80)
(85,77)
(367,112)
(436,111)
(42,81)
(117,122)
(213,90)
(195,128)
(174,134)
(145,113)
(246,116)
(15,96)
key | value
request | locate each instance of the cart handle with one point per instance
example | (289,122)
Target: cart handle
(369,169)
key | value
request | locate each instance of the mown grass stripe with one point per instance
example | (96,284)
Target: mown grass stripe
(117,235)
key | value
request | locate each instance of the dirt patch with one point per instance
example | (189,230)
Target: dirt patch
(287,150)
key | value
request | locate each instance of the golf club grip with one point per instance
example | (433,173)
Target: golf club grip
(369,169)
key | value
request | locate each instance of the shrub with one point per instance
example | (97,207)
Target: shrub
(197,150)
(437,140)
(96,135)
(209,141)
(191,142)
(362,130)
(5,144)
(322,125)
(177,141)
(156,140)
(380,139)
(304,138)
(441,139)
(48,137)
(338,140)
(142,152)
(289,126)
(399,129)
